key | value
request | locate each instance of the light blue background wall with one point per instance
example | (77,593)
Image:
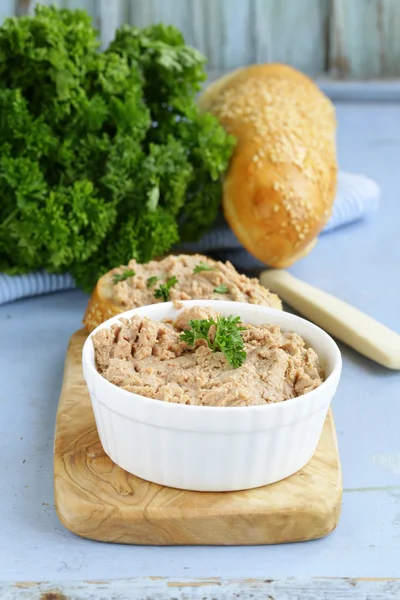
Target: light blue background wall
(343,38)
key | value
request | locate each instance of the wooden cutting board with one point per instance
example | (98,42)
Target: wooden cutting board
(96,499)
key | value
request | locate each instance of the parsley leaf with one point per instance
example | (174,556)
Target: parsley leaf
(152,281)
(227,339)
(163,290)
(221,289)
(203,267)
(117,277)
(199,331)
(105,155)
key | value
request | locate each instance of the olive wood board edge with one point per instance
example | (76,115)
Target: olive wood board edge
(98,500)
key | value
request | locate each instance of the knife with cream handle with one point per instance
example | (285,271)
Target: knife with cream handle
(355,328)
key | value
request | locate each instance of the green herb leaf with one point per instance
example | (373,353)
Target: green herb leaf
(199,330)
(221,289)
(104,154)
(203,267)
(152,281)
(117,277)
(163,290)
(153,196)
(227,339)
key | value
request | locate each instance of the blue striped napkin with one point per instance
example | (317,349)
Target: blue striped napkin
(357,196)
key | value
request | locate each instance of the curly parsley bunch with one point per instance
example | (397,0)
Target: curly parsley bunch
(104,156)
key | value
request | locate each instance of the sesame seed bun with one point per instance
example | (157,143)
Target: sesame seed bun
(281,182)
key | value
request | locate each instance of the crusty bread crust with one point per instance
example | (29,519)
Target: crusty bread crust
(281,183)
(101,305)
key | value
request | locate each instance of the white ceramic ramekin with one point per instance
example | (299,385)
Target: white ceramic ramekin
(213,448)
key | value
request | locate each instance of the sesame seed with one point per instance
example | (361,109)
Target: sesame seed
(271,108)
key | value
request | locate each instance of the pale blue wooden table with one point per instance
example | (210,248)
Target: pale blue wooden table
(360,264)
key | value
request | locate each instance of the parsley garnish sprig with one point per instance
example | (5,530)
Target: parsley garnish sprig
(163,290)
(228,338)
(151,282)
(203,267)
(221,289)
(117,277)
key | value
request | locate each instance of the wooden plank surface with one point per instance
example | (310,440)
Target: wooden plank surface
(350,39)
(96,499)
(7,8)
(161,588)
(234,33)
(34,546)
(297,34)
(364,38)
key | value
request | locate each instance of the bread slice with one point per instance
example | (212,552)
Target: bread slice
(102,305)
(109,299)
